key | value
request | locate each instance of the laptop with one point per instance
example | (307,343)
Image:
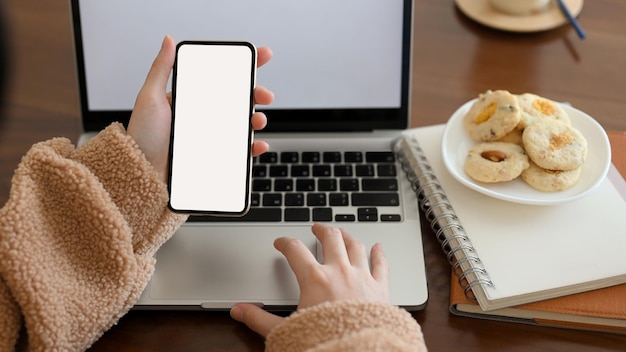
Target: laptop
(341,76)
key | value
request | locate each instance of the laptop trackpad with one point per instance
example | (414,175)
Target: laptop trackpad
(238,264)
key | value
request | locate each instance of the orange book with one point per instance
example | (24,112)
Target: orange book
(600,310)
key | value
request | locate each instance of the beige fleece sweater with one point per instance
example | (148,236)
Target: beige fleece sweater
(77,239)
(345,326)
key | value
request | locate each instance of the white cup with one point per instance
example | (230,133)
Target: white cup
(519,7)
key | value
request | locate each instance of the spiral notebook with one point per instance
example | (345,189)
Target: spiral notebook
(505,254)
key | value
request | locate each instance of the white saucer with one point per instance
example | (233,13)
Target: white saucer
(552,17)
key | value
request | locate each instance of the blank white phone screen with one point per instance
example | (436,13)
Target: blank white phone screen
(211,131)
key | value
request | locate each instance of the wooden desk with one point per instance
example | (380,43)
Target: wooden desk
(455,59)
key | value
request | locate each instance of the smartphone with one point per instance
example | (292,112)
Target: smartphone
(210,156)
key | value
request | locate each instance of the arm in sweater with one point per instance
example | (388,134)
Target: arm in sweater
(343,326)
(79,231)
(77,238)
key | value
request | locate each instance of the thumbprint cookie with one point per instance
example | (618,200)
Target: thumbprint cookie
(555,145)
(495,162)
(550,180)
(534,107)
(492,115)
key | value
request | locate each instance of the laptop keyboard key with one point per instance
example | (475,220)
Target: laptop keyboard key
(327,184)
(272,199)
(305,185)
(339,199)
(316,199)
(322,214)
(345,217)
(300,171)
(342,170)
(321,170)
(311,157)
(368,214)
(379,157)
(261,185)
(349,184)
(262,214)
(390,217)
(255,215)
(353,157)
(268,158)
(386,170)
(375,199)
(279,171)
(289,157)
(297,214)
(294,199)
(283,185)
(259,171)
(364,170)
(255,199)
(379,184)
(331,157)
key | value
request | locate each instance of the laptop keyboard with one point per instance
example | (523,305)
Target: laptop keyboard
(322,186)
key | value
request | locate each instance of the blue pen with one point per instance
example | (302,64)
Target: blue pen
(572,20)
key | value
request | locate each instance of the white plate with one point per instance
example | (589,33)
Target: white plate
(456,142)
(552,17)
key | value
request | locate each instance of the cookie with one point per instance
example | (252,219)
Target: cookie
(493,115)
(534,107)
(514,137)
(554,145)
(495,162)
(550,180)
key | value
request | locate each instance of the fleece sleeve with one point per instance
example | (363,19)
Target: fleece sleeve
(345,326)
(77,238)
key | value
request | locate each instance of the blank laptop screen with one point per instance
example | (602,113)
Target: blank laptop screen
(328,54)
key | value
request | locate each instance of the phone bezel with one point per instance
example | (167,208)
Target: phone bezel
(250,133)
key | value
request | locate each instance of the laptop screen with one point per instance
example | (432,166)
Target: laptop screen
(337,66)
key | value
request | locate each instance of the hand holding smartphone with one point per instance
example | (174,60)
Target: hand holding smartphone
(211,135)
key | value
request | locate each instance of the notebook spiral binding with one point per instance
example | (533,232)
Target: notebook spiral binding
(438,211)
